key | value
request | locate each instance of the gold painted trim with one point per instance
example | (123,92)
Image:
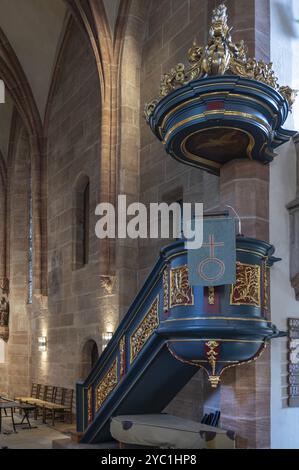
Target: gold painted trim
(185,361)
(215,112)
(256,253)
(199,99)
(254,359)
(214,339)
(212,85)
(235,364)
(218,318)
(212,163)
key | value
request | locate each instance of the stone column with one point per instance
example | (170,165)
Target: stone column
(245,390)
(244,184)
(293,208)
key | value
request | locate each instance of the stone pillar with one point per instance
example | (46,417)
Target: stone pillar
(245,390)
(293,208)
(244,184)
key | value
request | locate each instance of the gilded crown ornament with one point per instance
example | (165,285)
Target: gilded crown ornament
(221,56)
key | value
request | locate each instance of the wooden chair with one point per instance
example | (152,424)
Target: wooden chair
(68,397)
(48,398)
(58,396)
(40,397)
(63,404)
(41,392)
(34,390)
(49,393)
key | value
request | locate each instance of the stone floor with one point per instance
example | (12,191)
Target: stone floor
(39,438)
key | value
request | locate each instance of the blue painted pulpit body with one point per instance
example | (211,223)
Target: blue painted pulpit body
(213,120)
(171,330)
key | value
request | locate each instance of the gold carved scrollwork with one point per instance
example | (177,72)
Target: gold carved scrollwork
(219,57)
(106,386)
(181,293)
(266,287)
(165,290)
(247,290)
(122,354)
(89,404)
(212,355)
(145,330)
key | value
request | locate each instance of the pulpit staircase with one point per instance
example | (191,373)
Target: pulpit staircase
(136,372)
(171,330)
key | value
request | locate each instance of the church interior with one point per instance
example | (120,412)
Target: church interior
(105,340)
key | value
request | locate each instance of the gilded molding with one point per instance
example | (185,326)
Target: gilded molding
(181,293)
(223,113)
(219,57)
(217,379)
(144,330)
(247,290)
(106,386)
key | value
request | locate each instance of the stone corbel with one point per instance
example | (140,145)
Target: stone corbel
(293,209)
(108,283)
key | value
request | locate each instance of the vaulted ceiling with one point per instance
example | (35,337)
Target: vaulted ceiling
(112,7)
(34,29)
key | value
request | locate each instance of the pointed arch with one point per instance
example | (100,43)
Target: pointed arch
(107,50)
(18,87)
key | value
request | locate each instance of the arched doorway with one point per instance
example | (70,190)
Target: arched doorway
(90,355)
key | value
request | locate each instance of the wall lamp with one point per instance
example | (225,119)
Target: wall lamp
(106,337)
(42,343)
